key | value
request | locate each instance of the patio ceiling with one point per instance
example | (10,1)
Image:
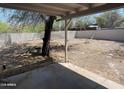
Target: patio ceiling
(64,10)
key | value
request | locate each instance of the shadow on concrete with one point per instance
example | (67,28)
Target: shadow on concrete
(54,76)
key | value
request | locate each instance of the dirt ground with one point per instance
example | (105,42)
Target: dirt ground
(103,57)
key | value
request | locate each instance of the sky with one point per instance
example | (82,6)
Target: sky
(4,16)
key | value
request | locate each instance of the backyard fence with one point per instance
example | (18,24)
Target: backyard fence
(116,35)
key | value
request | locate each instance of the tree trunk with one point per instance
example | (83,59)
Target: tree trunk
(47,35)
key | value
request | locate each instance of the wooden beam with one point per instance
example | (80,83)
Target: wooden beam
(94,10)
(30,7)
(49,8)
(97,4)
(60,7)
(73,5)
(63,6)
(86,5)
(91,5)
(54,8)
(76,6)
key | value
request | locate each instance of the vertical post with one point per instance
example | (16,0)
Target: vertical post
(66,40)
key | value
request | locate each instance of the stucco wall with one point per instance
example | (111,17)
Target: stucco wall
(8,38)
(117,35)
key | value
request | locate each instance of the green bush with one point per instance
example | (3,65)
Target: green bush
(4,27)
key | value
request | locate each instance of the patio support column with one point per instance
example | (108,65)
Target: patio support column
(66,38)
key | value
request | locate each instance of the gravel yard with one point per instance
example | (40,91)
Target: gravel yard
(105,58)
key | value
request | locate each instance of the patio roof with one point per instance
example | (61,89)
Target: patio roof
(64,10)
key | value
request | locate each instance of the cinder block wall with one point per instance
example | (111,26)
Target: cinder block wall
(8,38)
(116,35)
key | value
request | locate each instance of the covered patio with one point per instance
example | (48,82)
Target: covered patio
(64,12)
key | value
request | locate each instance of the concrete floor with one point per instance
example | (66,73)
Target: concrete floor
(55,76)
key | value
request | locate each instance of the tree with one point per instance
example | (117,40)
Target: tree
(80,24)
(122,25)
(109,19)
(30,28)
(62,25)
(56,26)
(70,25)
(24,18)
(47,35)
(4,27)
(101,21)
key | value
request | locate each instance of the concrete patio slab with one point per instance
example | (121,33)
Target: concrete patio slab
(60,76)
(95,77)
